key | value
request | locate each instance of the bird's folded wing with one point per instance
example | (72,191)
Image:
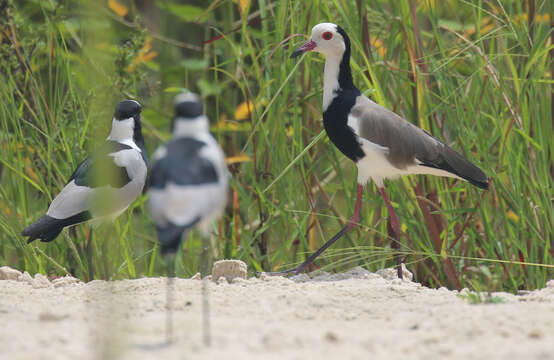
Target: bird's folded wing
(405,142)
(408,145)
(97,172)
(99,169)
(183,164)
(186,182)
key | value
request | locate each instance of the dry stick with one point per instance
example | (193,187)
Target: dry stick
(531,19)
(60,267)
(236,217)
(433,227)
(75,252)
(466,223)
(435,238)
(365,36)
(552,97)
(420,59)
(89,251)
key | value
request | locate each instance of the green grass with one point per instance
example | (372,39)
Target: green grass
(476,74)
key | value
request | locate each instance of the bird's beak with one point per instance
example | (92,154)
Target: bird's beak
(309,46)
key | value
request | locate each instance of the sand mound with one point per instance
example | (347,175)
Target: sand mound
(353,315)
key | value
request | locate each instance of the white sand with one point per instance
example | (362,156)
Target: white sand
(355,315)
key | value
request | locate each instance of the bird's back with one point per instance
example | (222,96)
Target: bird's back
(188,182)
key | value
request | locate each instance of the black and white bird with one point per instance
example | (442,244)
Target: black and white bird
(382,144)
(105,183)
(188,184)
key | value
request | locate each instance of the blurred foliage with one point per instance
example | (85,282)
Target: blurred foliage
(476,74)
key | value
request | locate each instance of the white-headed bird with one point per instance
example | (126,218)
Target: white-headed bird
(381,143)
(188,183)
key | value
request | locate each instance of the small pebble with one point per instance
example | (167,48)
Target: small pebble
(40,281)
(26,277)
(7,273)
(229,269)
(64,281)
(196,276)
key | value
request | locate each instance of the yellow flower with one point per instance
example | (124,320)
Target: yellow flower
(379,46)
(29,170)
(243,110)
(118,8)
(144,55)
(539,18)
(238,159)
(243,4)
(289,130)
(512,216)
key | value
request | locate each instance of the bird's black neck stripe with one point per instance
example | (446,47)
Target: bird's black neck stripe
(345,74)
(335,117)
(139,139)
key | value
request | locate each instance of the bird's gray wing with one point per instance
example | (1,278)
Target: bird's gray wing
(408,145)
(99,171)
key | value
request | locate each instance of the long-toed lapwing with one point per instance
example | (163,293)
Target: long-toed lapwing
(382,144)
(187,188)
(105,183)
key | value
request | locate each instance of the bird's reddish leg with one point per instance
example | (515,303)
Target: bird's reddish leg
(351,223)
(396,229)
(356,217)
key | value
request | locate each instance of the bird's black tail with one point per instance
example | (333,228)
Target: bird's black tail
(170,236)
(453,162)
(48,228)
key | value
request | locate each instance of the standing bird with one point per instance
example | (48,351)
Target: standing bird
(187,188)
(105,183)
(382,144)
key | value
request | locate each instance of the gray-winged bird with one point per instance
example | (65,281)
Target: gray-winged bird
(188,182)
(382,144)
(105,183)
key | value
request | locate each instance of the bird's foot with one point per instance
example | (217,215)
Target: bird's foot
(294,271)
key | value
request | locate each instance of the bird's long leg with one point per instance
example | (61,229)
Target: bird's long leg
(351,223)
(170,260)
(204,268)
(396,229)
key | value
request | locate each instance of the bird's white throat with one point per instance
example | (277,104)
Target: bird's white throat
(122,129)
(187,127)
(330,78)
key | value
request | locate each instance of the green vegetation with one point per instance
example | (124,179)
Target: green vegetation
(473,73)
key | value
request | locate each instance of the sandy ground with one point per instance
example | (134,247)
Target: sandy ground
(355,315)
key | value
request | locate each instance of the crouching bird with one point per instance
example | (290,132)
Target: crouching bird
(187,188)
(382,144)
(105,183)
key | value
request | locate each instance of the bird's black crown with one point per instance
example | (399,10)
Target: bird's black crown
(189,109)
(127,109)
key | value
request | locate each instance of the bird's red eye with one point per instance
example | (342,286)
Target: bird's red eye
(327,35)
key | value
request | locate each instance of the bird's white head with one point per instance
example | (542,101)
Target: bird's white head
(326,38)
(333,42)
(189,119)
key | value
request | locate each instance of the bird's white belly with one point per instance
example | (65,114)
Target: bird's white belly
(181,205)
(115,200)
(375,165)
